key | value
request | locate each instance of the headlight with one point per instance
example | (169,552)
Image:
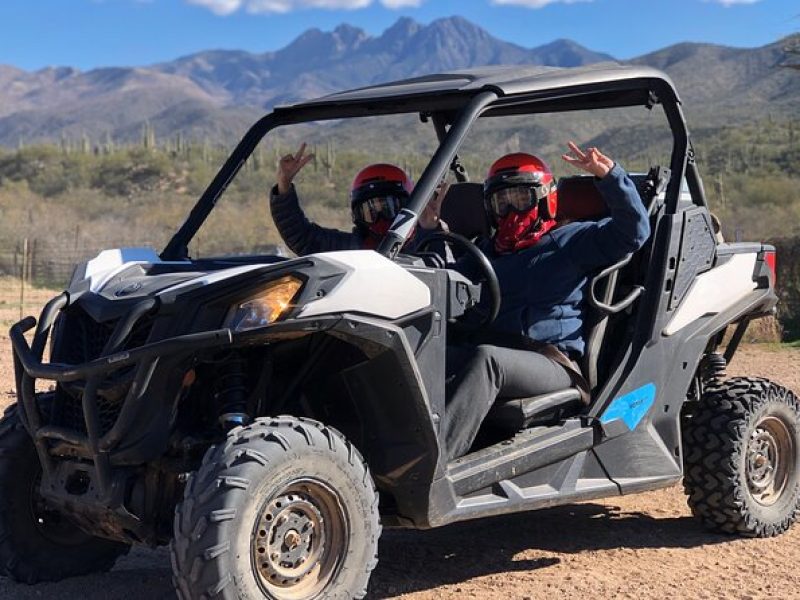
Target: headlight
(267,306)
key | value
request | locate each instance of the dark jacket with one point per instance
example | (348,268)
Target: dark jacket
(301,235)
(304,237)
(543,286)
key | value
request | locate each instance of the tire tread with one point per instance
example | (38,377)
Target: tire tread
(210,497)
(714,439)
(16,447)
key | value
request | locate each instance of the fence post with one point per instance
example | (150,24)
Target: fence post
(22,272)
(32,261)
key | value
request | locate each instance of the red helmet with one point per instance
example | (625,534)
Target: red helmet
(377,194)
(520,171)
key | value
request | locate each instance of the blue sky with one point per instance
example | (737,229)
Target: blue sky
(92,33)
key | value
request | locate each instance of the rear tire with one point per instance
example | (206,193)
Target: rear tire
(741,458)
(38,543)
(286,509)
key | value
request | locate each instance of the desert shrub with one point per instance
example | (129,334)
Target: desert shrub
(131,172)
(788,268)
(48,170)
(764,330)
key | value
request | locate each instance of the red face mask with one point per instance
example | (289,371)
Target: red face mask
(517,231)
(376,232)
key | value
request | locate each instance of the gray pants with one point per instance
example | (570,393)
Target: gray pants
(484,373)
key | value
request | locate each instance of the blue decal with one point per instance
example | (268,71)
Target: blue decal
(632,407)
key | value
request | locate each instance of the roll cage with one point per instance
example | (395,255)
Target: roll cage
(454,101)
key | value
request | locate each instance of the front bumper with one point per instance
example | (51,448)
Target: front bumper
(95,443)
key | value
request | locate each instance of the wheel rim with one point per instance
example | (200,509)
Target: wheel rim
(299,540)
(770,460)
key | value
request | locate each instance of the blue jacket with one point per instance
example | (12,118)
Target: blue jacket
(543,286)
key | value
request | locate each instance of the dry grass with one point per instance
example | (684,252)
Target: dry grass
(11,309)
(765,330)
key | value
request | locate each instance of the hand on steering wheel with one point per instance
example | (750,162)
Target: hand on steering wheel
(488,279)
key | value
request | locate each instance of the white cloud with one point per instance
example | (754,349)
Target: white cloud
(219,7)
(536,3)
(227,7)
(401,3)
(727,3)
(285,6)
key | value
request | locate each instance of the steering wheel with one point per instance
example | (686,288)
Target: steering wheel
(487,279)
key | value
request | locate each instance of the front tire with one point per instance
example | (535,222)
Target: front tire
(285,509)
(38,543)
(741,458)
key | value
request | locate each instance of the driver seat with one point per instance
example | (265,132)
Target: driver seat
(463,210)
(515,414)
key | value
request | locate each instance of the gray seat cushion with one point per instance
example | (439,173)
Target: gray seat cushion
(514,414)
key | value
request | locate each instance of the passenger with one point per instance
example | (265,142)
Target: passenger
(377,194)
(543,271)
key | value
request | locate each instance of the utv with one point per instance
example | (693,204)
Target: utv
(248,411)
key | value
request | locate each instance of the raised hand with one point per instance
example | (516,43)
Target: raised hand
(429,219)
(289,166)
(592,161)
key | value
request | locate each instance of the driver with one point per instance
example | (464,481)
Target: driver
(377,194)
(543,271)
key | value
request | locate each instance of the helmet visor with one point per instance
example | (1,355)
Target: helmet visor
(518,198)
(371,210)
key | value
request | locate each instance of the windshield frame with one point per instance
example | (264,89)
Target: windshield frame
(459,110)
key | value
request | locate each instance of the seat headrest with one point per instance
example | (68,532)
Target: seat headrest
(580,200)
(463,210)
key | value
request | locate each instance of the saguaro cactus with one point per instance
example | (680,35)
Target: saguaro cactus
(148,136)
(329,159)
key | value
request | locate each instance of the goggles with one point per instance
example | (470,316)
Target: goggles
(371,210)
(519,198)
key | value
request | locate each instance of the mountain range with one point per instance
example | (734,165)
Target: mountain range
(218,93)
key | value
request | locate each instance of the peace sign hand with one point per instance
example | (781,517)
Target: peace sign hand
(289,166)
(592,161)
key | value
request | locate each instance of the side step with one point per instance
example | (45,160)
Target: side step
(528,450)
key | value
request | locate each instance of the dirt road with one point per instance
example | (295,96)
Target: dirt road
(636,547)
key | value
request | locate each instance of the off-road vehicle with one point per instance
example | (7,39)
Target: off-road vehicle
(267,416)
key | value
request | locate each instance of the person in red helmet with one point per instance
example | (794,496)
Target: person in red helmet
(543,270)
(521,201)
(377,194)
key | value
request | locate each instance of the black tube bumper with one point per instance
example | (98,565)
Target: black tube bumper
(28,367)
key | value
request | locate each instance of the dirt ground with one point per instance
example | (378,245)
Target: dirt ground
(636,547)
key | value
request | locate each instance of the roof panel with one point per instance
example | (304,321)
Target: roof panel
(505,80)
